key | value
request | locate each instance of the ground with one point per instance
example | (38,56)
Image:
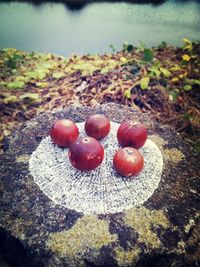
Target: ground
(163,81)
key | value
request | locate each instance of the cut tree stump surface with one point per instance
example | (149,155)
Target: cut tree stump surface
(36,231)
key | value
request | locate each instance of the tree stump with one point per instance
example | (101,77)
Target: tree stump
(42,225)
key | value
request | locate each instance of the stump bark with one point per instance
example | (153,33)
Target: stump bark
(35,231)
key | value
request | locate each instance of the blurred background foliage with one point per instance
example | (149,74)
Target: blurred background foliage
(163,81)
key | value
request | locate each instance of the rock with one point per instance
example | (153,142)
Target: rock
(36,231)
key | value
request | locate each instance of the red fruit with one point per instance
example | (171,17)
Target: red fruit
(132,134)
(86,154)
(97,126)
(64,133)
(128,161)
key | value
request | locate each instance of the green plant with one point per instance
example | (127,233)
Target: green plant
(127,47)
(12,61)
(112,48)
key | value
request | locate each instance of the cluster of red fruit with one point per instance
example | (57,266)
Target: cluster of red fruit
(87,153)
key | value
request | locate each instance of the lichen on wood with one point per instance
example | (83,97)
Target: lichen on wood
(142,219)
(89,232)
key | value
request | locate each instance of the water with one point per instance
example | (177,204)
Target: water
(52,27)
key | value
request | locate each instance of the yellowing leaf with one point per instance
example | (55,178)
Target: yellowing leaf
(112,64)
(54,65)
(98,62)
(123,59)
(104,70)
(175,80)
(127,93)
(81,65)
(195,81)
(41,75)
(58,75)
(6,49)
(86,72)
(68,70)
(10,99)
(175,68)
(37,74)
(183,75)
(41,84)
(45,66)
(21,78)
(187,44)
(144,82)
(186,57)
(85,67)
(165,72)
(187,87)
(15,85)
(186,41)
(31,96)
(2,84)
(155,71)
(47,56)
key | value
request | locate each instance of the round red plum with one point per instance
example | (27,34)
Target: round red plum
(132,134)
(128,161)
(86,154)
(64,133)
(97,126)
